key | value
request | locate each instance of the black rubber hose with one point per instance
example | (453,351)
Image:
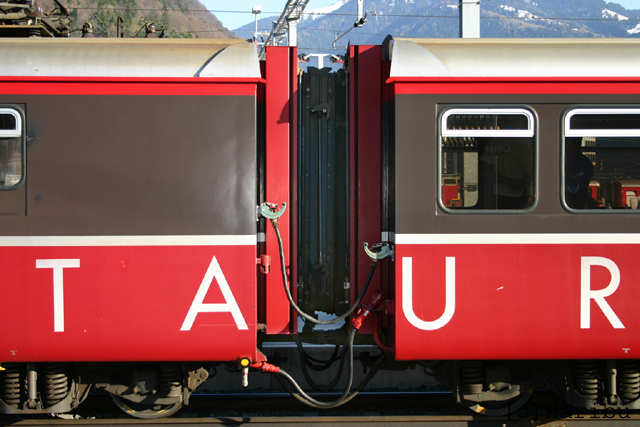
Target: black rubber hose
(336,379)
(323,365)
(304,315)
(344,398)
(317,403)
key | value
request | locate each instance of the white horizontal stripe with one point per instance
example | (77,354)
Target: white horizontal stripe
(231,240)
(516,239)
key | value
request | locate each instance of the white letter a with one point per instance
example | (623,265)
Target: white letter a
(230,305)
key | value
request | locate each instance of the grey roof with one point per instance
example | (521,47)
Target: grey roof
(515,57)
(128,58)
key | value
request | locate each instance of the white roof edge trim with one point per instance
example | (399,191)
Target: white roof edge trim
(409,59)
(128,58)
(529,132)
(225,62)
(213,240)
(599,132)
(12,133)
(527,58)
(518,239)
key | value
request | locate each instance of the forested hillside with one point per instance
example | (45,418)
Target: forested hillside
(179,18)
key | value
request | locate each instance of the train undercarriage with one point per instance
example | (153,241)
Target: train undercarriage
(154,390)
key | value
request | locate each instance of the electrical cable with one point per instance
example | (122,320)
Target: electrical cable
(297,392)
(334,403)
(335,380)
(304,315)
(323,364)
(309,360)
(344,398)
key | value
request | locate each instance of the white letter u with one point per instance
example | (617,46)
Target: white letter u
(407,296)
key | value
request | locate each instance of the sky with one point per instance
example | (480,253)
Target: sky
(236,13)
(239,11)
(629,4)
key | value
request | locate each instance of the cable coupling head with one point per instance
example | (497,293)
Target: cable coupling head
(272,212)
(378,251)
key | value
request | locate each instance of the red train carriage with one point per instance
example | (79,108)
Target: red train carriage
(127,214)
(501,176)
(522,263)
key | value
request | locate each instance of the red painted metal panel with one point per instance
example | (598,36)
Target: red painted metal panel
(369,104)
(517,301)
(507,85)
(278,163)
(128,86)
(127,303)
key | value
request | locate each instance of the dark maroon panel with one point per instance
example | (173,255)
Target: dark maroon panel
(368,102)
(13,201)
(138,165)
(416,187)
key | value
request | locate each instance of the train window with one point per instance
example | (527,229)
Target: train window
(601,156)
(11,148)
(487,158)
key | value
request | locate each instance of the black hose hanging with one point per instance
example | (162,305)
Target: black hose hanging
(317,403)
(298,393)
(304,359)
(304,315)
(344,398)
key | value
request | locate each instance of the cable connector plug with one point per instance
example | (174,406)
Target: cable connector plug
(364,312)
(378,251)
(265,367)
(271,211)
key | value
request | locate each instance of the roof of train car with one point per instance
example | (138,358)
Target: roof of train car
(514,57)
(128,58)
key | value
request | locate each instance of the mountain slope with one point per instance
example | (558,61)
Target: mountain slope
(439,18)
(180,18)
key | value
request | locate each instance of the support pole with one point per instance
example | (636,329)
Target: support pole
(470,19)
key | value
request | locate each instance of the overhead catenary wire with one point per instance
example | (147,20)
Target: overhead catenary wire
(380,15)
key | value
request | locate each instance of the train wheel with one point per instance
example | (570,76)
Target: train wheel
(146,411)
(498,408)
(150,391)
(494,388)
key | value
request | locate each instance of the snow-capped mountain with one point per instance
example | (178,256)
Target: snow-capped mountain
(314,14)
(439,18)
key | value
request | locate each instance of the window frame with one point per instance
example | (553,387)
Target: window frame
(18,132)
(567,132)
(532,131)
(568,114)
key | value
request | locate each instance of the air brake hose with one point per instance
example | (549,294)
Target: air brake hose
(317,403)
(304,315)
(344,398)
(305,362)
(298,393)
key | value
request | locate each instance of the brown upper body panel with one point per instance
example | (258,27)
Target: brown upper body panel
(416,164)
(136,165)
